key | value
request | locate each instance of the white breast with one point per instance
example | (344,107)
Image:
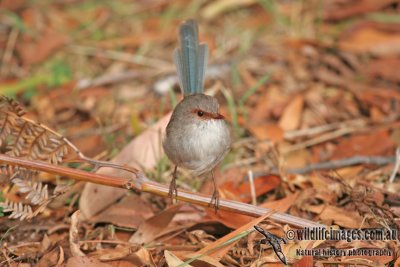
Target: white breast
(208,143)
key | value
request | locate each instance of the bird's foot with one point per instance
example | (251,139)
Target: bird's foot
(173,191)
(214,200)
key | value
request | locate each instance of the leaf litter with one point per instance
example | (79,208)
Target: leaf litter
(331,93)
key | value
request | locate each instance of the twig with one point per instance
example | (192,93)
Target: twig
(8,52)
(388,124)
(396,166)
(121,56)
(252,188)
(108,79)
(143,184)
(319,139)
(357,123)
(341,163)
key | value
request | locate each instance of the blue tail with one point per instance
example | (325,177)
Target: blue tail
(191,59)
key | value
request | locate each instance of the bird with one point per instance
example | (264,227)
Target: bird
(197,136)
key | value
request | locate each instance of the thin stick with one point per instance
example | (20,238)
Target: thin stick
(108,79)
(338,133)
(357,123)
(143,184)
(396,166)
(121,56)
(341,163)
(8,52)
(252,187)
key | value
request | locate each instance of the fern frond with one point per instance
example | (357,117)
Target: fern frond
(24,138)
(37,193)
(18,210)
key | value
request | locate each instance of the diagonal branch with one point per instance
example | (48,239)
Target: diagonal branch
(142,184)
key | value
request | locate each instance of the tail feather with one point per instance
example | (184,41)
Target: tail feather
(191,59)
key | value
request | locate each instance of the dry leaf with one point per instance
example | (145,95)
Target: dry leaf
(51,258)
(291,116)
(122,263)
(281,205)
(129,212)
(154,225)
(144,151)
(267,132)
(339,216)
(306,261)
(85,261)
(225,217)
(12,5)
(173,260)
(74,235)
(216,8)
(370,144)
(297,159)
(262,184)
(339,10)
(385,68)
(215,251)
(112,253)
(33,52)
(371,38)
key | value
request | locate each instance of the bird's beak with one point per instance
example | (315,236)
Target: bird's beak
(217,116)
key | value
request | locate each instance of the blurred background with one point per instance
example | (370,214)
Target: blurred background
(301,82)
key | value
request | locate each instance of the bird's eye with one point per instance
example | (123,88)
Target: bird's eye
(200,113)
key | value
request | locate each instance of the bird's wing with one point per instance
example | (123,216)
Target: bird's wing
(190,59)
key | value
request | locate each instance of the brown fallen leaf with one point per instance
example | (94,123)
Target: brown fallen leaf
(385,68)
(339,216)
(297,159)
(339,10)
(281,205)
(129,212)
(113,253)
(51,258)
(85,261)
(270,103)
(369,37)
(74,235)
(217,251)
(154,225)
(370,144)
(36,51)
(12,5)
(142,152)
(122,263)
(216,8)
(291,117)
(242,193)
(173,260)
(225,217)
(397,263)
(267,131)
(137,256)
(306,261)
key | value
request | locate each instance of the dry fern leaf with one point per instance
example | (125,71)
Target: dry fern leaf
(23,138)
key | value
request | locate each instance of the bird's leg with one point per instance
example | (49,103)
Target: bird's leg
(172,186)
(215,196)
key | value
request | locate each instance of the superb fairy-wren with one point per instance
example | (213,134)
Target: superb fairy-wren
(197,136)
